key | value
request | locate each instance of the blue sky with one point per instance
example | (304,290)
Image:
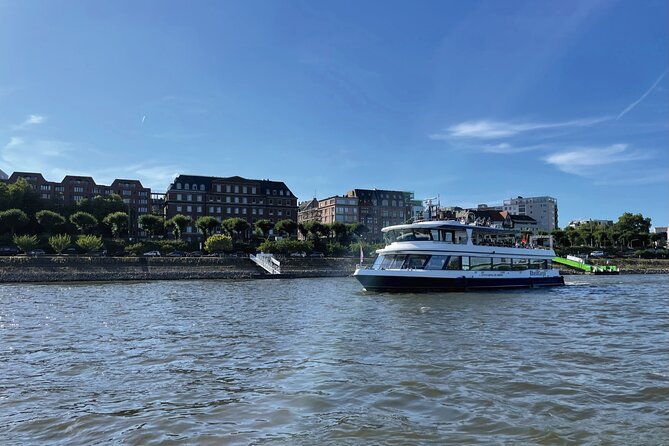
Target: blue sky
(473,101)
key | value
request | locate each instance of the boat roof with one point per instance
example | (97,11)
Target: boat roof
(447,224)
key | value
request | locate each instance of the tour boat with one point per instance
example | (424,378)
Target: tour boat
(456,256)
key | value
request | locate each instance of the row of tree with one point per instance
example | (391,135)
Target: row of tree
(631,231)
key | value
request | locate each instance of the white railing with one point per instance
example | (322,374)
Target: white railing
(267,262)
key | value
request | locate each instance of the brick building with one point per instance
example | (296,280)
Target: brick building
(228,197)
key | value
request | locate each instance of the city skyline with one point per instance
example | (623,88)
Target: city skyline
(473,102)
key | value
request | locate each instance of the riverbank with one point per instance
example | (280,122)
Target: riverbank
(625,266)
(74,269)
(20,269)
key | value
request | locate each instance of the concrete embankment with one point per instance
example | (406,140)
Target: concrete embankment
(65,268)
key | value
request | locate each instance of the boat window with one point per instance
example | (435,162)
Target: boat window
(538,264)
(436,262)
(377,262)
(520,264)
(501,263)
(415,261)
(465,263)
(460,237)
(480,263)
(455,262)
(387,260)
(397,262)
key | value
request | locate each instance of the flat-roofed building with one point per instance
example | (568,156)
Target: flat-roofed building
(543,209)
(228,197)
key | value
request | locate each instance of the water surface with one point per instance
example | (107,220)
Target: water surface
(318,361)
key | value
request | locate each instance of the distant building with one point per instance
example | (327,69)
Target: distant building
(342,209)
(378,208)
(543,209)
(228,197)
(577,223)
(75,188)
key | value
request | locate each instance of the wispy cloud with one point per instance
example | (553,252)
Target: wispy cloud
(588,161)
(30,121)
(643,96)
(39,155)
(485,129)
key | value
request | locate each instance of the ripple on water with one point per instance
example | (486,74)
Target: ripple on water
(320,362)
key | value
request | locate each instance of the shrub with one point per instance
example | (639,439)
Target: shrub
(286,246)
(89,243)
(25,242)
(60,242)
(218,243)
(336,249)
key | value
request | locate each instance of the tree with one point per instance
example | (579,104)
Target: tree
(302,228)
(358,229)
(559,237)
(340,231)
(49,220)
(153,224)
(99,206)
(218,243)
(89,243)
(631,227)
(25,242)
(83,221)
(23,196)
(235,226)
(264,225)
(178,224)
(286,226)
(117,222)
(13,219)
(207,225)
(60,242)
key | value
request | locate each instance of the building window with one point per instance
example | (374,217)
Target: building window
(187,186)
(201,186)
(253,189)
(227,188)
(218,188)
(189,208)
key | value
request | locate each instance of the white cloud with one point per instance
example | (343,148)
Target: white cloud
(485,129)
(587,161)
(39,155)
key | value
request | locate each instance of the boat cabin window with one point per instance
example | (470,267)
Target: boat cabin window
(377,262)
(397,262)
(501,263)
(415,261)
(537,264)
(480,263)
(455,262)
(436,262)
(425,234)
(520,264)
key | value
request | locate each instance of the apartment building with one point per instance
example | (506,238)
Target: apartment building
(543,209)
(378,208)
(75,188)
(228,197)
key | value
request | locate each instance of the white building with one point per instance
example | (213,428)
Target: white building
(543,209)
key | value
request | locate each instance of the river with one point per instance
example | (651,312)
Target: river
(319,361)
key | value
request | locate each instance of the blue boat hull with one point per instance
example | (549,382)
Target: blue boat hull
(441,284)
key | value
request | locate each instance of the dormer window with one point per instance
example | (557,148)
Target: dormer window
(201,186)
(178,185)
(187,186)
(194,186)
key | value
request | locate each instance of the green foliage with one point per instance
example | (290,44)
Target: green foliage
(25,242)
(218,243)
(49,220)
(60,242)
(21,195)
(207,224)
(152,224)
(286,226)
(117,222)
(83,221)
(235,227)
(358,229)
(164,246)
(178,224)
(336,249)
(100,206)
(264,226)
(286,246)
(89,243)
(12,219)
